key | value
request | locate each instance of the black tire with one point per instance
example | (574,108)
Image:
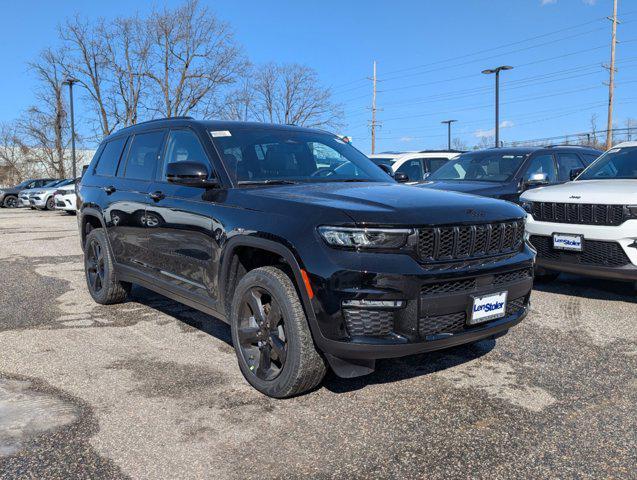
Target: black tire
(101,279)
(10,201)
(50,204)
(301,367)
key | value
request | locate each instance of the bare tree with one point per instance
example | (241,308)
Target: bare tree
(292,94)
(128,48)
(193,55)
(87,61)
(593,122)
(239,103)
(458,144)
(44,127)
(14,155)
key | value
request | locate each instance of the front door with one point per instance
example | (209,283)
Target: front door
(181,225)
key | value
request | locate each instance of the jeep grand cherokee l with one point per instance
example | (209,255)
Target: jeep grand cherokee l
(309,265)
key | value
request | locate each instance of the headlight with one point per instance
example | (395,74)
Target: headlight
(527,206)
(365,237)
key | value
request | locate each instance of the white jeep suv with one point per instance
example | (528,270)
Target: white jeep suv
(588,226)
(416,165)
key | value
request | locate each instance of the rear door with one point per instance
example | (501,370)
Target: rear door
(180,222)
(126,197)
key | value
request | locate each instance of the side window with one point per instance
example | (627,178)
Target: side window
(412,168)
(589,158)
(542,164)
(109,159)
(183,146)
(436,163)
(567,162)
(143,155)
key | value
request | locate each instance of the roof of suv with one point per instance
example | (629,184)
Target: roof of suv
(210,125)
(527,150)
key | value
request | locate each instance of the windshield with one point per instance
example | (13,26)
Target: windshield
(261,155)
(480,166)
(616,163)
(54,183)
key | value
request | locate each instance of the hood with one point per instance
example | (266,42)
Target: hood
(612,191)
(485,189)
(383,203)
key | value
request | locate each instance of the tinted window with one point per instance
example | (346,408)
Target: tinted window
(412,168)
(615,163)
(183,146)
(275,154)
(488,166)
(143,155)
(567,162)
(109,159)
(436,163)
(542,164)
(589,158)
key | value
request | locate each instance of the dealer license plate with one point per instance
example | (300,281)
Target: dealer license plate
(488,307)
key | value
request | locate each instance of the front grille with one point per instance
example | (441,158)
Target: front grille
(581,213)
(456,322)
(455,286)
(594,252)
(454,243)
(374,323)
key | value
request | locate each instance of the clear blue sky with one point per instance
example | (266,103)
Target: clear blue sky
(429,54)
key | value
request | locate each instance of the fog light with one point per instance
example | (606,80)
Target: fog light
(634,244)
(374,303)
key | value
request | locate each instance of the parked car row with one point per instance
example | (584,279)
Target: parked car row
(41,194)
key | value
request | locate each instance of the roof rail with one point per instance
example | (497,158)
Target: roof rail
(163,119)
(567,145)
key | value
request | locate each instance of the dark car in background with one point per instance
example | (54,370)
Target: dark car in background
(9,196)
(505,173)
(311,262)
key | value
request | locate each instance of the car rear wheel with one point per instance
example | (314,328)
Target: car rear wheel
(271,335)
(10,201)
(101,279)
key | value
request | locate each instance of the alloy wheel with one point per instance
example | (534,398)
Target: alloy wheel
(11,202)
(95,266)
(262,336)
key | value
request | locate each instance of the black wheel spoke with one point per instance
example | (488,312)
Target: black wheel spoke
(248,335)
(265,362)
(274,314)
(254,301)
(278,346)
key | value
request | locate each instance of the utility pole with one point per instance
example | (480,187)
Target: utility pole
(611,80)
(449,122)
(374,110)
(497,71)
(70,82)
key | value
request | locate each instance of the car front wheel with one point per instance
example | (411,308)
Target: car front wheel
(10,202)
(271,335)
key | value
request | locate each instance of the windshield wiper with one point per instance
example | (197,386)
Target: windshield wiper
(267,182)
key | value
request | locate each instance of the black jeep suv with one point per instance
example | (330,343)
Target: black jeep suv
(310,252)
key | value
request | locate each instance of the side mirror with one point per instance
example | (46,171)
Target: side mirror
(537,179)
(401,177)
(190,174)
(575,173)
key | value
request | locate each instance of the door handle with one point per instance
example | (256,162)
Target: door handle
(110,189)
(157,196)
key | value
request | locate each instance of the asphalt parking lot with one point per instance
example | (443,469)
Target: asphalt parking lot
(151,389)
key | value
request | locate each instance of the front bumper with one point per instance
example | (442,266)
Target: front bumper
(434,304)
(37,202)
(621,238)
(65,202)
(23,201)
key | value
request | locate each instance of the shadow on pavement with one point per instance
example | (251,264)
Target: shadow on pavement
(593,288)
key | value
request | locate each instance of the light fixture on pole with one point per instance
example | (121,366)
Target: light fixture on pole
(70,81)
(497,71)
(449,122)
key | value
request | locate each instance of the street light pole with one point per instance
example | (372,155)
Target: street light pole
(70,82)
(497,71)
(449,122)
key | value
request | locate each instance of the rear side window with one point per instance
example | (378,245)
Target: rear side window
(143,155)
(109,159)
(567,162)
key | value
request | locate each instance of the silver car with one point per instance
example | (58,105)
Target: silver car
(42,198)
